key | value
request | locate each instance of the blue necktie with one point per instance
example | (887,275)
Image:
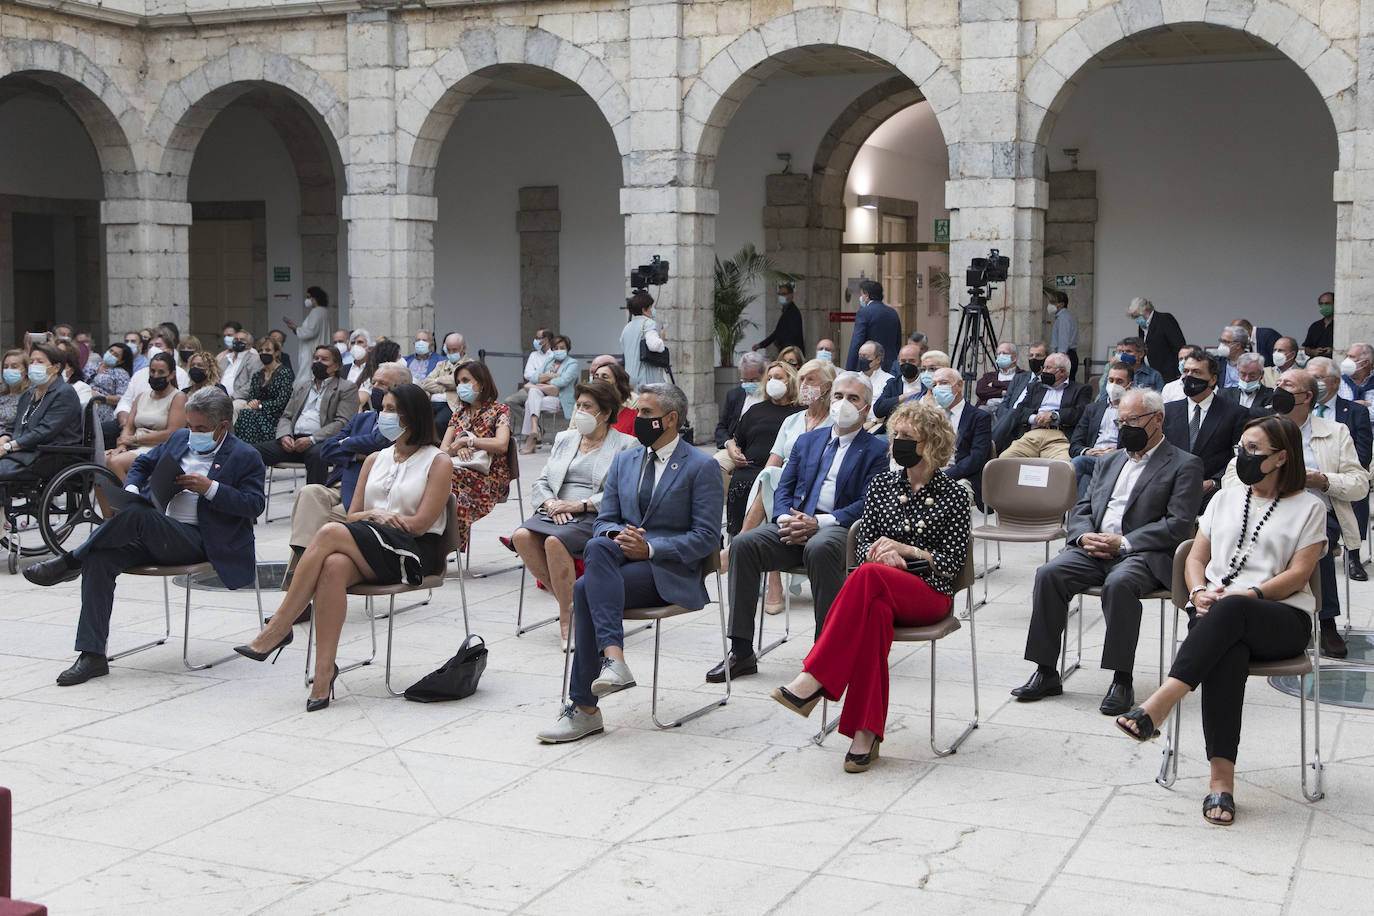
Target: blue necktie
(814,494)
(646,483)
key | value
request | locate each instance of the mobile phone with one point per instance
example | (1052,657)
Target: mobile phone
(37,337)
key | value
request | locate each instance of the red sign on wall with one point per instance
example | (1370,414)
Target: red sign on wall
(843,316)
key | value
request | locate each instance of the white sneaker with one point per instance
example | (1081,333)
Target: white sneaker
(573,724)
(615,676)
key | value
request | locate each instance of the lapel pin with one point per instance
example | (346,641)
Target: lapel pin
(673,466)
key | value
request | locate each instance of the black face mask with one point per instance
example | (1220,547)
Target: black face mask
(1248,467)
(904,453)
(1036,365)
(1133,438)
(648,430)
(375,399)
(158,383)
(186,354)
(196,374)
(1282,401)
(267,358)
(320,371)
(1193,386)
(239,346)
(910,371)
(1048,379)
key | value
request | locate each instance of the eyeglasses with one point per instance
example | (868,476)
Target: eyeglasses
(1130,421)
(1242,450)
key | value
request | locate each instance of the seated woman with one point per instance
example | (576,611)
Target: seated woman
(914,513)
(793,356)
(1248,578)
(568,494)
(754,436)
(73,371)
(188,347)
(15,382)
(618,378)
(393,534)
(551,392)
(268,393)
(48,413)
(108,381)
(203,370)
(359,349)
(153,417)
(480,424)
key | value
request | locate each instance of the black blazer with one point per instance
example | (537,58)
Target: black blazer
(788,331)
(55,420)
(1075,400)
(1018,384)
(729,415)
(1257,408)
(1162,344)
(1356,419)
(1216,440)
(886,401)
(1085,433)
(972,449)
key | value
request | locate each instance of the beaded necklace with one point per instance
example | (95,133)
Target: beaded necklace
(1238,560)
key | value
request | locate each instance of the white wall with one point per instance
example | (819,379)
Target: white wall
(45,152)
(1214,190)
(495,148)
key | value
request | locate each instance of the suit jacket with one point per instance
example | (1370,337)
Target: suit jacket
(226,522)
(729,415)
(1356,419)
(1217,437)
(876,321)
(1089,425)
(421,366)
(1075,399)
(347,449)
(1162,343)
(56,420)
(442,380)
(338,404)
(682,523)
(972,449)
(1256,408)
(886,401)
(1161,510)
(252,362)
(788,331)
(565,446)
(1018,384)
(865,457)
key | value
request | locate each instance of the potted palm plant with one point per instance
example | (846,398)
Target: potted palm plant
(735,282)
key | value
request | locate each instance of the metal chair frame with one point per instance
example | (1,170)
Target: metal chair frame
(760,649)
(188,570)
(512,462)
(295,467)
(1076,610)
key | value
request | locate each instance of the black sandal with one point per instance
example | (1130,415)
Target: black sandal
(802,706)
(1225,802)
(1143,722)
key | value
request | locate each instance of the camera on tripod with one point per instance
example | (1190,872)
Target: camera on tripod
(975,343)
(655,273)
(983,271)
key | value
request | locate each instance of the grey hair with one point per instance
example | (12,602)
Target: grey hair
(1364,347)
(877,349)
(402,371)
(1140,306)
(1058,359)
(755,359)
(1246,359)
(212,403)
(367,335)
(1008,343)
(671,398)
(1239,334)
(857,378)
(1151,400)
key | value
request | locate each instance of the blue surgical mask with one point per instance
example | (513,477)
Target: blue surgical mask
(421,348)
(1140,320)
(1127,358)
(1004,360)
(228,341)
(38,374)
(927,379)
(466,393)
(824,354)
(13,376)
(750,388)
(560,354)
(454,357)
(944,395)
(1249,387)
(110,360)
(201,442)
(389,425)
(537,344)
(1180,367)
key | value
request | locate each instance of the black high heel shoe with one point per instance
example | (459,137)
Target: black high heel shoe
(802,706)
(248,652)
(859,763)
(322,702)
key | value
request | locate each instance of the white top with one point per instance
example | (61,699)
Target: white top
(138,384)
(1121,492)
(310,421)
(400,487)
(1173,391)
(1298,521)
(879,380)
(1053,397)
(791,430)
(535,365)
(310,333)
(1106,431)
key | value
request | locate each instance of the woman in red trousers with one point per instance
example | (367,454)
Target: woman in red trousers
(915,515)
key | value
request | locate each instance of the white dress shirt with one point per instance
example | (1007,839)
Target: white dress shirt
(1173,391)
(664,454)
(309,421)
(1131,470)
(1053,397)
(879,380)
(1106,433)
(535,365)
(825,502)
(182,505)
(236,363)
(956,416)
(1205,404)
(1309,460)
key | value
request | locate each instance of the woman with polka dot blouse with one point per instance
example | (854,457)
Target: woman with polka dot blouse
(912,514)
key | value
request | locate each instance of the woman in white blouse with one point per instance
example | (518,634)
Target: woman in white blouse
(1248,576)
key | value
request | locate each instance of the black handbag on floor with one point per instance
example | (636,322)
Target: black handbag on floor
(457,678)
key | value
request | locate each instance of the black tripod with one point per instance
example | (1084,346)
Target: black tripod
(975,340)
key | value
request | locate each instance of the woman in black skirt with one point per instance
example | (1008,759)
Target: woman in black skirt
(393,534)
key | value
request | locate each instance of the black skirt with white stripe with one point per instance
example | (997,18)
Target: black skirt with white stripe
(396,556)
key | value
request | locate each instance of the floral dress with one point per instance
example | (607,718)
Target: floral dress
(478,493)
(112,381)
(259,424)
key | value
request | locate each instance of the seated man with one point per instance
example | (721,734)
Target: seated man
(825,349)
(972,433)
(871,356)
(915,369)
(1131,351)
(1142,504)
(1049,409)
(992,387)
(210,519)
(1203,423)
(1250,392)
(659,521)
(737,402)
(1095,433)
(820,495)
(1036,354)
(440,384)
(543,343)
(1173,391)
(319,407)
(238,363)
(1333,404)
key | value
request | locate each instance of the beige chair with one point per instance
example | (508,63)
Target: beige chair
(370,591)
(931,633)
(652,615)
(189,571)
(1299,666)
(1030,497)
(297,468)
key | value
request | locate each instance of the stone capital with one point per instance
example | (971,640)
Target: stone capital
(129,212)
(415,207)
(669,200)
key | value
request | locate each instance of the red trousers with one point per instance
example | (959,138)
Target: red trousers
(852,649)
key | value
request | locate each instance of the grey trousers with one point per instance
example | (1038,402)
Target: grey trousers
(761,550)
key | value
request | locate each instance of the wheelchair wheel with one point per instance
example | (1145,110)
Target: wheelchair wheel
(69,501)
(26,523)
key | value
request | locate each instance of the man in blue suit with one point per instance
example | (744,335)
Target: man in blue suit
(972,433)
(659,522)
(820,495)
(875,320)
(209,518)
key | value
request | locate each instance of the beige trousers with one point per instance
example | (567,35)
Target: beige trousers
(1039,443)
(316,505)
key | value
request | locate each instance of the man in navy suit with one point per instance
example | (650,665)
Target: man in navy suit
(1203,423)
(875,320)
(659,521)
(820,495)
(972,432)
(210,518)
(1356,419)
(1095,434)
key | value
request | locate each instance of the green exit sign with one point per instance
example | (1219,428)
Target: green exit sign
(1063,280)
(942,230)
(281,274)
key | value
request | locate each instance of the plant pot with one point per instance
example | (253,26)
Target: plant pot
(727,377)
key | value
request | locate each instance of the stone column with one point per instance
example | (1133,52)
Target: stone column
(147,262)
(539,222)
(787,240)
(1353,192)
(1071,230)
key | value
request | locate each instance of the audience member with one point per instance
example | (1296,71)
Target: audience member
(1096,432)
(551,392)
(424,358)
(614,375)
(1202,423)
(70,367)
(1122,535)
(477,439)
(1321,333)
(439,384)
(1064,330)
(1356,378)
(108,382)
(1331,404)
(47,413)
(972,433)
(1285,358)
(754,437)
(871,364)
(825,349)
(188,347)
(1249,393)
(1161,334)
(15,382)
(383,351)
(268,392)
(138,383)
(359,349)
(992,387)
(203,370)
(534,365)
(641,326)
(1234,341)
(339,340)
(793,356)
(905,386)
(1036,354)
(1040,425)
(738,402)
(1132,352)
(788,331)
(280,337)
(313,331)
(318,408)
(154,416)
(1173,391)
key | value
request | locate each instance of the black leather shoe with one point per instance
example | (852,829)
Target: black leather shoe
(1120,699)
(51,572)
(1333,644)
(88,665)
(1357,571)
(1039,686)
(739,667)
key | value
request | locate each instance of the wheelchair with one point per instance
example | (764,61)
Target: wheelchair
(59,495)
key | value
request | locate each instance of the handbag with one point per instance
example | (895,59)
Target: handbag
(658,359)
(479,462)
(457,678)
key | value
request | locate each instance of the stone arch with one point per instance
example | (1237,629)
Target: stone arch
(427,110)
(96,100)
(733,73)
(1053,78)
(190,105)
(847,135)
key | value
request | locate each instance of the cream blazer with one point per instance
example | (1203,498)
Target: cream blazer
(564,450)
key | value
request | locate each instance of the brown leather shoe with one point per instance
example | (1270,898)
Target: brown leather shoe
(1333,645)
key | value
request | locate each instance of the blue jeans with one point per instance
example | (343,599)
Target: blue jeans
(609,584)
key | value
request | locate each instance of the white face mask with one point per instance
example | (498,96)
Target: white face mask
(341,346)
(1052,309)
(1348,366)
(1221,351)
(583,422)
(1115,391)
(359,353)
(844,414)
(775,388)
